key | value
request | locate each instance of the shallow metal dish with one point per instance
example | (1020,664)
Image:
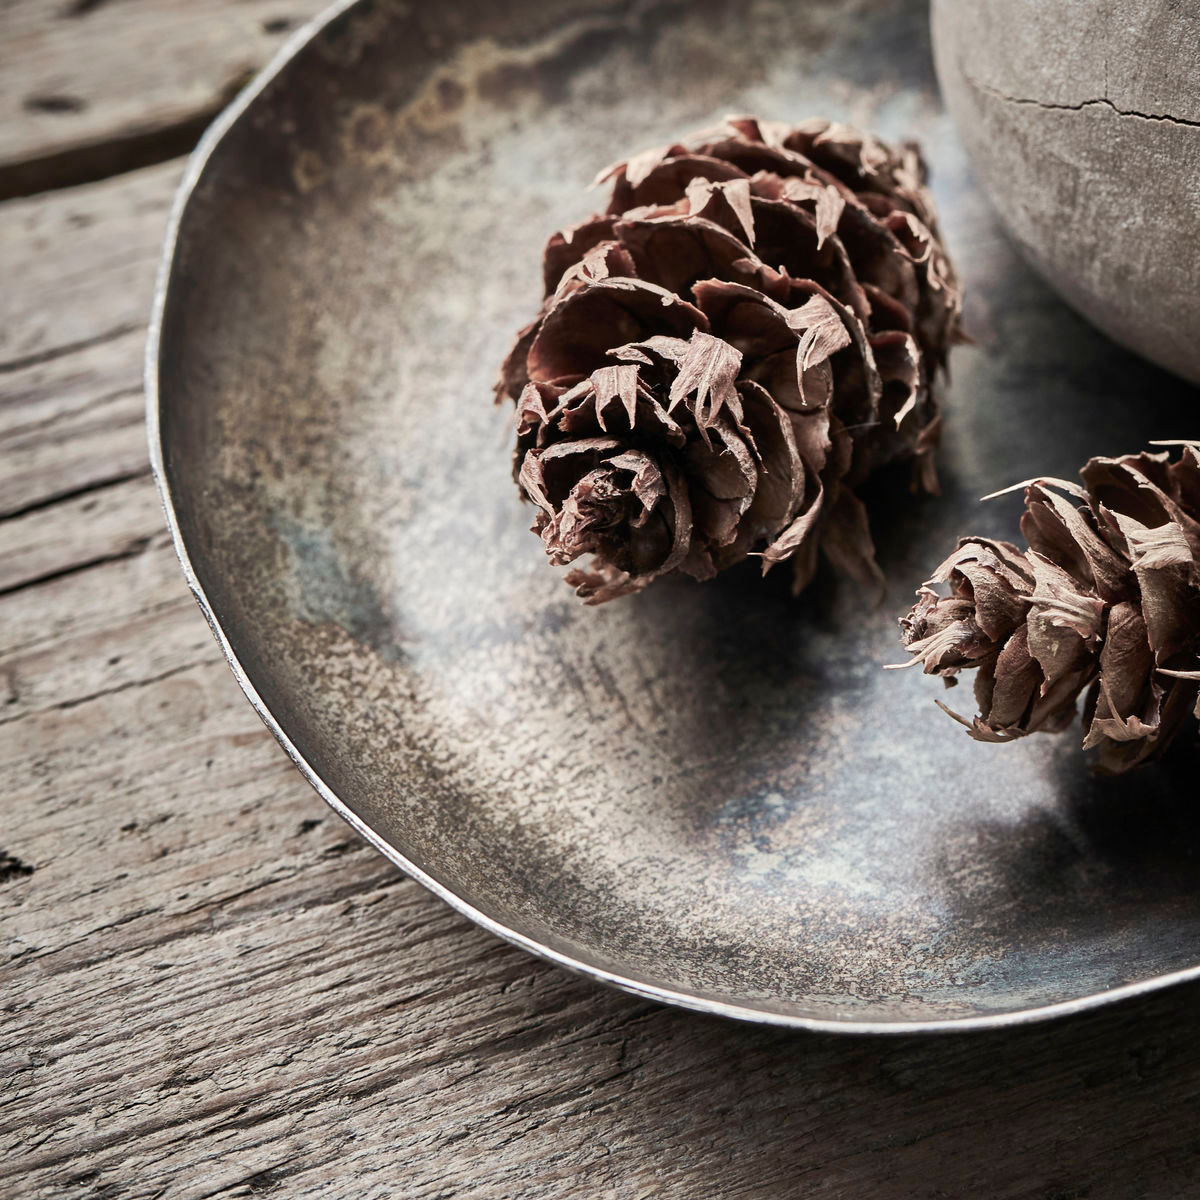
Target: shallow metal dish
(709,795)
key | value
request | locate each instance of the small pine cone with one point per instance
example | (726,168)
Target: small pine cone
(742,337)
(1106,601)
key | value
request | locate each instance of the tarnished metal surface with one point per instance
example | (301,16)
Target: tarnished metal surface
(710,794)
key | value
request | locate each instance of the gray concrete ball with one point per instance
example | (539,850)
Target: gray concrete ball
(1082,118)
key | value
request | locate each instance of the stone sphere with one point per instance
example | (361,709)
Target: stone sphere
(1082,119)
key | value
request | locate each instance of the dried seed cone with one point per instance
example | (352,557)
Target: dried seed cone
(1105,602)
(742,337)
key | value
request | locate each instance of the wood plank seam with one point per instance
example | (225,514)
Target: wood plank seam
(8,366)
(138,547)
(76,701)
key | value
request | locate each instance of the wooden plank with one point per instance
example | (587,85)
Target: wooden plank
(83,262)
(72,334)
(104,443)
(67,380)
(103,524)
(90,88)
(83,635)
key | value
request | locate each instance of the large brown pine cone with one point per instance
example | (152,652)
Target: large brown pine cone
(745,334)
(1106,601)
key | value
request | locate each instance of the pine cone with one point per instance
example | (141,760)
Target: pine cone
(745,334)
(1106,601)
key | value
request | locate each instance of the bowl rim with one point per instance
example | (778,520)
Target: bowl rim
(195,170)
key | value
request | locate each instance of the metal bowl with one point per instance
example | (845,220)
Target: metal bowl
(711,794)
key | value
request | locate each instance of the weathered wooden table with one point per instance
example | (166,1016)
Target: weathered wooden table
(210,987)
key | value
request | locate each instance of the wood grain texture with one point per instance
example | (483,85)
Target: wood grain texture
(72,332)
(89,88)
(210,987)
(84,260)
(102,524)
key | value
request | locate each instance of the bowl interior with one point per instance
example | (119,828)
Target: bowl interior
(712,790)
